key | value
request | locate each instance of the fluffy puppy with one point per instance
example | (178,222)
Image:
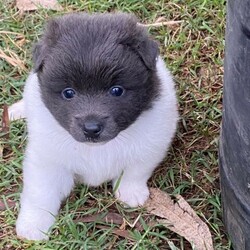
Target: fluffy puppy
(100,105)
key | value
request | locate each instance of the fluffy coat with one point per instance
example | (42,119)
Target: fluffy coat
(55,157)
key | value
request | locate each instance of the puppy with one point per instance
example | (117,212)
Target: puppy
(100,105)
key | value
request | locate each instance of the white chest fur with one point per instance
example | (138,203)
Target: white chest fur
(53,157)
(145,141)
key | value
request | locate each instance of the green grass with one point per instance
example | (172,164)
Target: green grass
(193,51)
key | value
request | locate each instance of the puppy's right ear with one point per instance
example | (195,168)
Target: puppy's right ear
(43,48)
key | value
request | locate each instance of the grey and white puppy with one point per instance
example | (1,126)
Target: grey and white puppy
(99,104)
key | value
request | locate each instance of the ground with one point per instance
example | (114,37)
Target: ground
(193,51)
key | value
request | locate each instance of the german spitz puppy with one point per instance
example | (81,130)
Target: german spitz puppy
(100,106)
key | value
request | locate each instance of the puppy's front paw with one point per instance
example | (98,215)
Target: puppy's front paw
(16,111)
(33,228)
(29,232)
(133,194)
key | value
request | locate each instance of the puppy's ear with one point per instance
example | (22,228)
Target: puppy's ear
(138,40)
(148,51)
(42,49)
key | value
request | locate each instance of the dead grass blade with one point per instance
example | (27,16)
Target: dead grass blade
(1,151)
(4,32)
(160,24)
(5,129)
(28,5)
(5,120)
(180,218)
(6,205)
(12,59)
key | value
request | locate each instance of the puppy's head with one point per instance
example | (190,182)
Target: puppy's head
(96,73)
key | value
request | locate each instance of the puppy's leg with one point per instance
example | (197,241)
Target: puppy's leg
(16,111)
(45,186)
(133,189)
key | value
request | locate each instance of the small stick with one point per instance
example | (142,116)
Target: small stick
(160,24)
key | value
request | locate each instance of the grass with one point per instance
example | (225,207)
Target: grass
(193,51)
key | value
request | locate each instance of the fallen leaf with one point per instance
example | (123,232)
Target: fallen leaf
(110,217)
(120,232)
(114,218)
(180,218)
(27,5)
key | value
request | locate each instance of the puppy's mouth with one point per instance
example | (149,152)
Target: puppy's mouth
(92,141)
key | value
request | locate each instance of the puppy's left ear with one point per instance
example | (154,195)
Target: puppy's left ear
(43,48)
(148,50)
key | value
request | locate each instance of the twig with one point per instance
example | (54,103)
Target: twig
(160,24)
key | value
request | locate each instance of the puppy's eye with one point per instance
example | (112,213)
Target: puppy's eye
(116,90)
(68,93)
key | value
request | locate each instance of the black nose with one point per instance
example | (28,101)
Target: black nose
(92,129)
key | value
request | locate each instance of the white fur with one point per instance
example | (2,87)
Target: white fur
(53,158)
(16,111)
